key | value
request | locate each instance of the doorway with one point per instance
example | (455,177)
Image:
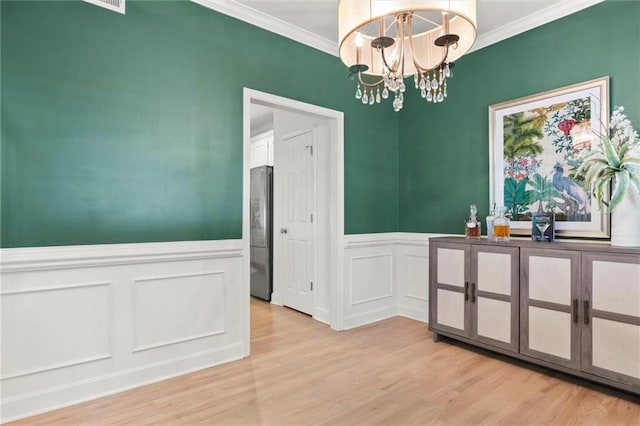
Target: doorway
(318,124)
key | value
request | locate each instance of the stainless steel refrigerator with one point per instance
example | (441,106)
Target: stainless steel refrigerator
(261,253)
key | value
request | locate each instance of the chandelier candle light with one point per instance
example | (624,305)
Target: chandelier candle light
(384,41)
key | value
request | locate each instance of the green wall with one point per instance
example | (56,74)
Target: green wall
(444,148)
(129,128)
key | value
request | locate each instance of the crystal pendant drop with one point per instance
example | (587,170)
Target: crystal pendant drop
(378,100)
(365,98)
(440,97)
(434,84)
(372,98)
(429,96)
(422,84)
(447,70)
(358,93)
(423,93)
(415,80)
(445,88)
(385,93)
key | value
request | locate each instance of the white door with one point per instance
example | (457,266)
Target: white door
(296,232)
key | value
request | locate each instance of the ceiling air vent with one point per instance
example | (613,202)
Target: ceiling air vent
(115,5)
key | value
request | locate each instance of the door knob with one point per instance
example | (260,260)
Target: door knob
(283,230)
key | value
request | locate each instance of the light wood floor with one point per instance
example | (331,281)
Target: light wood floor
(390,372)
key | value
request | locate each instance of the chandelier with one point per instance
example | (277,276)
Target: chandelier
(384,41)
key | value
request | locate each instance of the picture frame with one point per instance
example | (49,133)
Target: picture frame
(536,144)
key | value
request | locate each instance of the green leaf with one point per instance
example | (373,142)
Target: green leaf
(636,180)
(594,173)
(610,153)
(632,160)
(598,191)
(619,189)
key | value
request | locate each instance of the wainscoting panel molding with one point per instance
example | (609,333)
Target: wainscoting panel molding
(81,322)
(172,309)
(86,321)
(386,275)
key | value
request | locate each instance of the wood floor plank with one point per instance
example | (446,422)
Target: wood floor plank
(388,373)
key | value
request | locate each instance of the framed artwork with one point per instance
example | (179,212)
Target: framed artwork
(536,145)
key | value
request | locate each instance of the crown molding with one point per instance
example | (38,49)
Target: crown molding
(543,16)
(252,16)
(269,23)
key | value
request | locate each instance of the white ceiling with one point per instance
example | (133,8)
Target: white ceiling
(315,22)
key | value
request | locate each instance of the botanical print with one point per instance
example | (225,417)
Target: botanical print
(537,145)
(542,148)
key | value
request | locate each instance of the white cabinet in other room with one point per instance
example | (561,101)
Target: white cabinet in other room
(261,152)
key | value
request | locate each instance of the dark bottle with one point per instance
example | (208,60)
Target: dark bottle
(473,225)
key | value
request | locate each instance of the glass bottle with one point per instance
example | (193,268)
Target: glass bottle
(473,225)
(490,219)
(501,225)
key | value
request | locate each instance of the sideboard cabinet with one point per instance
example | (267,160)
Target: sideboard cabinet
(573,307)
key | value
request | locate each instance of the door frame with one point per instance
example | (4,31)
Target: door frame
(336,200)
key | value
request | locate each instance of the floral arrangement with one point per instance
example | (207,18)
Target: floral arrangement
(616,158)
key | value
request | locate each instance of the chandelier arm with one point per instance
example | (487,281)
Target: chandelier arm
(384,60)
(401,58)
(418,66)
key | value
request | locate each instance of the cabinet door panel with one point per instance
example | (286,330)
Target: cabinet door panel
(616,287)
(494,319)
(611,333)
(550,332)
(451,266)
(494,272)
(494,295)
(615,346)
(451,309)
(550,279)
(549,302)
(449,285)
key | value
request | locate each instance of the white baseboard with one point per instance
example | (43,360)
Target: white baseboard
(98,387)
(414,314)
(369,317)
(322,315)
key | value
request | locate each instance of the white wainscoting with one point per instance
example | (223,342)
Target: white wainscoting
(386,275)
(86,321)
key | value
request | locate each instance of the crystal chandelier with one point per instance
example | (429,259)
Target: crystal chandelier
(384,41)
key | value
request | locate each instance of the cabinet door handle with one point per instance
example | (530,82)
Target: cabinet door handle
(466,291)
(586,312)
(575,311)
(473,292)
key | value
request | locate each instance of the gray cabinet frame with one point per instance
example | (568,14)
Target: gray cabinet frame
(571,309)
(471,293)
(435,285)
(513,299)
(587,330)
(582,255)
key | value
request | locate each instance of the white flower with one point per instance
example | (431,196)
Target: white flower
(622,131)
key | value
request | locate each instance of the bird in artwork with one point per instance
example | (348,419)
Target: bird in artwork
(569,188)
